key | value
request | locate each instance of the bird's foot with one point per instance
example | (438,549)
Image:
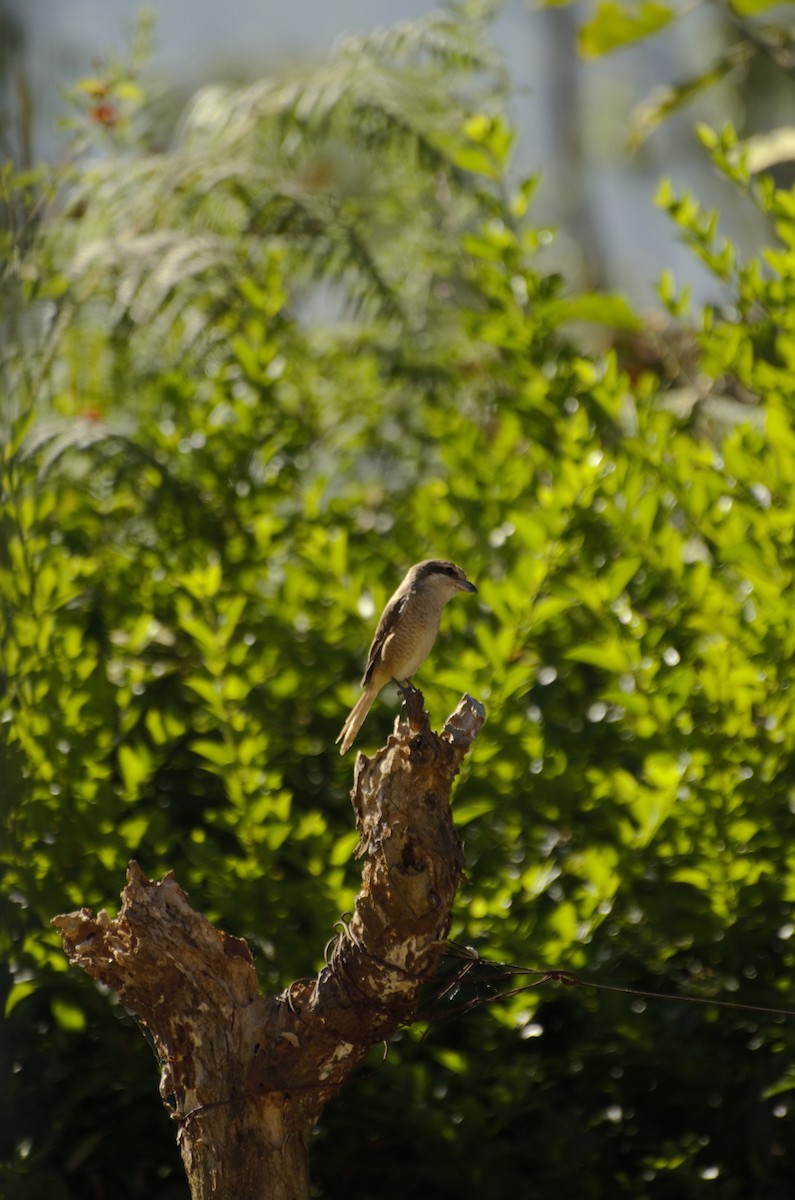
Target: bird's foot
(406,689)
(414,701)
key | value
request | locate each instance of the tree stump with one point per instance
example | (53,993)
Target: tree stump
(245,1076)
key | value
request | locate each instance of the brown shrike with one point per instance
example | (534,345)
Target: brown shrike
(405,634)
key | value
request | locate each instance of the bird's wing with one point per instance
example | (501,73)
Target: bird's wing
(384,630)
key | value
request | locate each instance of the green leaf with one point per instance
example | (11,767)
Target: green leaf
(135,764)
(202,583)
(134,830)
(621,573)
(17,993)
(749,8)
(342,850)
(209,690)
(600,308)
(69,1017)
(216,753)
(618,25)
(612,655)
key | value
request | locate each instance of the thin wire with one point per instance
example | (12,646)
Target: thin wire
(571,979)
(755,1008)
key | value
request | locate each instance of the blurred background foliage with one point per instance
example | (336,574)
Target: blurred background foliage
(248,378)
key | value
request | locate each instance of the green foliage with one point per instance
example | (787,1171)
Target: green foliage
(743,42)
(254,378)
(616,25)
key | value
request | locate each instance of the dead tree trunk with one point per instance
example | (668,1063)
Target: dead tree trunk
(244,1076)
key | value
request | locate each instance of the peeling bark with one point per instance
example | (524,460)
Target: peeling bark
(244,1076)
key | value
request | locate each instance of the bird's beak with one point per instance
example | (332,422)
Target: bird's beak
(465,586)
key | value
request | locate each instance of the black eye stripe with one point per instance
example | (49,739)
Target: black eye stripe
(442,568)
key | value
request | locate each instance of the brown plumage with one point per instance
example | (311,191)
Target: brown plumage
(405,634)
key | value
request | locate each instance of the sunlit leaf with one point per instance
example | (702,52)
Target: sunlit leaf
(69,1017)
(599,308)
(617,25)
(135,764)
(749,8)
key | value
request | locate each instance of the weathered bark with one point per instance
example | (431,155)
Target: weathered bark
(245,1076)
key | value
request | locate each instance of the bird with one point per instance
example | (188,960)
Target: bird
(405,634)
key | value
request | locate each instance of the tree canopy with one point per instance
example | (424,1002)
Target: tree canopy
(249,376)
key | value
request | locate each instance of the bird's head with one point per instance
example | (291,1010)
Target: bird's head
(442,577)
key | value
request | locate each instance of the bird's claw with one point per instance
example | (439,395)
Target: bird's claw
(406,688)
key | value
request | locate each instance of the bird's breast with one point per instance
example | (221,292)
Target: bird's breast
(411,642)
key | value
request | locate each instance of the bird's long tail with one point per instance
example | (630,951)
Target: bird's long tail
(355,719)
